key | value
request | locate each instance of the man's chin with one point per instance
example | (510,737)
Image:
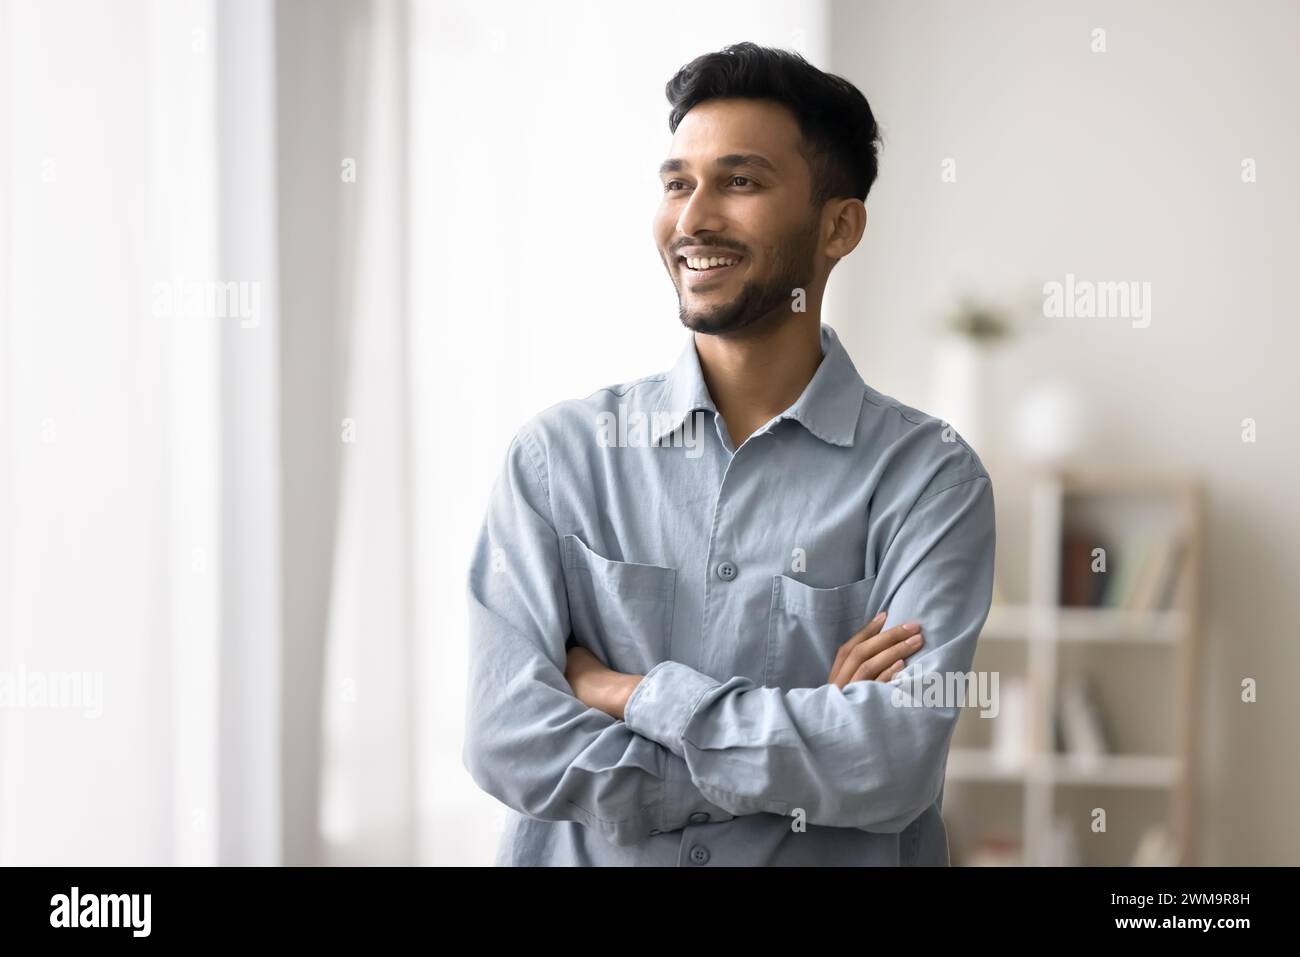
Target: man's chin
(714,322)
(728,323)
(710,327)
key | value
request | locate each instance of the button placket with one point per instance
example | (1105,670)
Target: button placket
(722,569)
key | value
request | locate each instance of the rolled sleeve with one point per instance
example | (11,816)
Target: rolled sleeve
(664,701)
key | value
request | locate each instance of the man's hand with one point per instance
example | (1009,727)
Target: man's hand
(597,686)
(872,656)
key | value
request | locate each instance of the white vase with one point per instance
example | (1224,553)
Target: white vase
(959,388)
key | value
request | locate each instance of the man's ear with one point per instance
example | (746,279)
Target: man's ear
(848,219)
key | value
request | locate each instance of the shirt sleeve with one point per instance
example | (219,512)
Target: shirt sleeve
(871,756)
(529,742)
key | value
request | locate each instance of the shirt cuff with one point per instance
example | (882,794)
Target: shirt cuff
(664,701)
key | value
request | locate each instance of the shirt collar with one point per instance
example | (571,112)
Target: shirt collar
(829,406)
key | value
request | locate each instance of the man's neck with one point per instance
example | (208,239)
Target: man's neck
(754,378)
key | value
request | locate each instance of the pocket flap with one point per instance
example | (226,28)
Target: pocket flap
(628,579)
(838,603)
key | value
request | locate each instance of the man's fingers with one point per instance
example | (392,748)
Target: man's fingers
(884,665)
(872,648)
(864,672)
(862,634)
(889,673)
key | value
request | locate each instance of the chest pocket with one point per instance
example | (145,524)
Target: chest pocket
(620,611)
(806,627)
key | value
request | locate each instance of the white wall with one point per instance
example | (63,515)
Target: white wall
(1123,165)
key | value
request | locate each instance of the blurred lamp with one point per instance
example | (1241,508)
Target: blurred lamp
(1050,423)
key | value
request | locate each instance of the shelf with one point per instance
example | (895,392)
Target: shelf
(1014,623)
(978,764)
(1116,770)
(1131,514)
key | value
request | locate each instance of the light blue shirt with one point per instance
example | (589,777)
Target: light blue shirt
(628,523)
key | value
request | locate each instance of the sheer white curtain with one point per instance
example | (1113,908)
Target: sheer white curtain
(204,511)
(368,809)
(348,771)
(109,485)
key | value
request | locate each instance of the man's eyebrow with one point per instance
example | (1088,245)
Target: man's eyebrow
(731,159)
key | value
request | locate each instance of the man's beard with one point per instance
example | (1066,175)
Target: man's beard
(763,302)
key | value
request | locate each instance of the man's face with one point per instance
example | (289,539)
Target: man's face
(736,186)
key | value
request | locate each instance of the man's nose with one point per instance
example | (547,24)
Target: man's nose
(702,213)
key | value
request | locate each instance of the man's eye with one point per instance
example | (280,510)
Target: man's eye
(744,181)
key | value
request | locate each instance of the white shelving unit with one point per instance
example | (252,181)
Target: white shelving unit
(1046,632)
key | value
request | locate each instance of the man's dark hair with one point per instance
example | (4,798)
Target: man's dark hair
(840,138)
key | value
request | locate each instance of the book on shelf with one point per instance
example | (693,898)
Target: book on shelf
(1081,729)
(1009,749)
(1082,580)
(1159,575)
(1141,573)
(1129,558)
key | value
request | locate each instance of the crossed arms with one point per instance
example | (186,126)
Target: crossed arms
(543,728)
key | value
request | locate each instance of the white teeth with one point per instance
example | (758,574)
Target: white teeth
(709,262)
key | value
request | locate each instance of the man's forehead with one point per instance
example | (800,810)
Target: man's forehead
(735,128)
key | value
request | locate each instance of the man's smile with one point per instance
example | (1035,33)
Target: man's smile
(704,270)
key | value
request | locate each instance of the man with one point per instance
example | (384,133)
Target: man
(676,655)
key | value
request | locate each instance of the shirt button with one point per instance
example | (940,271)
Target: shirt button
(699,854)
(726,571)
(700,817)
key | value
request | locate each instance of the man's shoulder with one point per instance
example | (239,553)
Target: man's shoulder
(922,454)
(579,420)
